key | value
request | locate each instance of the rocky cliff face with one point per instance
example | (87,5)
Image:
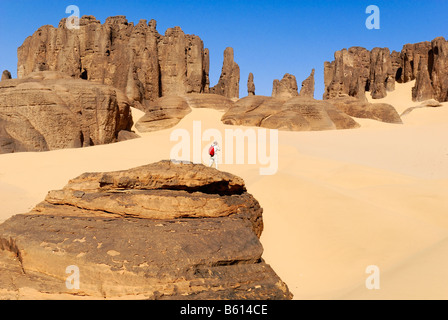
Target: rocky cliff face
(48,110)
(229,81)
(133,58)
(160,231)
(307,89)
(356,70)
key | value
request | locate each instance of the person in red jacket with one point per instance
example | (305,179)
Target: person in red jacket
(213,152)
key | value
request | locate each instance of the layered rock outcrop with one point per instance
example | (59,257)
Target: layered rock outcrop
(362,109)
(357,69)
(295,114)
(160,231)
(164,113)
(135,59)
(229,81)
(48,110)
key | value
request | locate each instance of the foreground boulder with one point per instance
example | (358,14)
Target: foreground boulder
(160,231)
(48,111)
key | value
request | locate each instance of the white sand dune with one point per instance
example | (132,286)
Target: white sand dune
(339,202)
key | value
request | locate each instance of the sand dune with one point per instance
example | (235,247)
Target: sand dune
(339,202)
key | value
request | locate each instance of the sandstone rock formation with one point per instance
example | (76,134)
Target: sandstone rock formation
(382,75)
(438,68)
(135,59)
(229,81)
(48,110)
(431,103)
(286,88)
(362,109)
(6,75)
(357,69)
(412,55)
(423,86)
(210,101)
(125,135)
(307,89)
(344,75)
(131,234)
(167,111)
(295,114)
(164,113)
(250,85)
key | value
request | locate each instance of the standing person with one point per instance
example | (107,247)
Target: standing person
(213,152)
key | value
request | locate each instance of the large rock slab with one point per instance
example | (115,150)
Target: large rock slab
(167,111)
(161,231)
(164,113)
(48,111)
(362,109)
(295,114)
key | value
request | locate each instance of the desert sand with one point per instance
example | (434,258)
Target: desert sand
(339,202)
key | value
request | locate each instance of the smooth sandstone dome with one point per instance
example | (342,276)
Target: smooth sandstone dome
(49,110)
(167,111)
(295,114)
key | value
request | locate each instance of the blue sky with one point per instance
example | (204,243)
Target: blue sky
(269,37)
